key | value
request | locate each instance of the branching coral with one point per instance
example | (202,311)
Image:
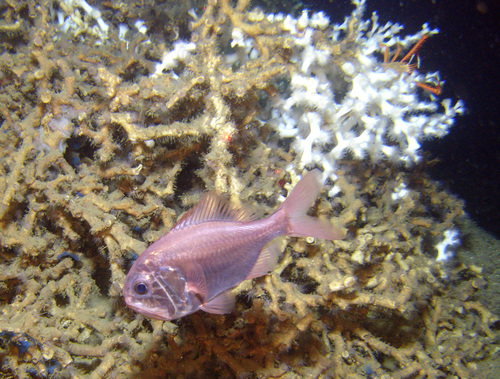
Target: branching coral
(106,138)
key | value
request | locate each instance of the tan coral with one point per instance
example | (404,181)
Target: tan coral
(75,210)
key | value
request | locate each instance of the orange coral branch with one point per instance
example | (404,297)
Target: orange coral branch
(415,48)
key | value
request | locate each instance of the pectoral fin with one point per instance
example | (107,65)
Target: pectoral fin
(223,303)
(196,281)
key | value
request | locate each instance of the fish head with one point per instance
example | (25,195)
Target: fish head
(158,292)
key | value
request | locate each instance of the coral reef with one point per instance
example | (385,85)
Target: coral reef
(112,125)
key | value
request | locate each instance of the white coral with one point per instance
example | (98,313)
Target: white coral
(443,247)
(382,115)
(180,52)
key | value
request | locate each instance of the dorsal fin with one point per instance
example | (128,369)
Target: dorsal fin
(213,207)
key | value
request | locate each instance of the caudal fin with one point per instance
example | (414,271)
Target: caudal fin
(298,203)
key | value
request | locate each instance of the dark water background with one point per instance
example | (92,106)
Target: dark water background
(467,54)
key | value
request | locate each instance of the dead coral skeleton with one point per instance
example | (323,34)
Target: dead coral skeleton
(97,159)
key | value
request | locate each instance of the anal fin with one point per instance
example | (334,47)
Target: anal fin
(268,258)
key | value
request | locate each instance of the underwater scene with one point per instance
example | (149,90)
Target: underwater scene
(118,117)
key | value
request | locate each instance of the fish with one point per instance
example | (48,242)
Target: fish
(214,247)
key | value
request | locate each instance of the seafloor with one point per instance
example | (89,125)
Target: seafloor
(481,249)
(98,158)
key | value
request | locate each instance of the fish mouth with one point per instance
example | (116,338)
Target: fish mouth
(147,313)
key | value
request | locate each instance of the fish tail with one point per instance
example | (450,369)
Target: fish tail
(298,203)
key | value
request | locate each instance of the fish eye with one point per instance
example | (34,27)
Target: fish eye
(141,288)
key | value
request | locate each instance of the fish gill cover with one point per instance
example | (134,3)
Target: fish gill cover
(115,118)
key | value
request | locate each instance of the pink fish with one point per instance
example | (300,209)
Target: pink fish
(213,248)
